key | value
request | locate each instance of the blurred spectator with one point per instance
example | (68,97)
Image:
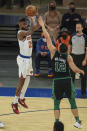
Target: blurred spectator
(9,4)
(42,52)
(70,19)
(58,126)
(22,3)
(2,3)
(64,37)
(53,20)
(79,54)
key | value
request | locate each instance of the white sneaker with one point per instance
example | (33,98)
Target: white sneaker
(78,125)
(2,125)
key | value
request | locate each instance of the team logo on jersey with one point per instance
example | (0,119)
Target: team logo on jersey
(31,73)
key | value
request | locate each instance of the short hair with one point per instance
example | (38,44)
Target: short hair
(58,126)
(71,3)
(63,48)
(22,20)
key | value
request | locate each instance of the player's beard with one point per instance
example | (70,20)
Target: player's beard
(24,28)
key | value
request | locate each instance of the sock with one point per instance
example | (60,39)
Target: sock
(56,120)
(77,119)
(23,91)
(16,99)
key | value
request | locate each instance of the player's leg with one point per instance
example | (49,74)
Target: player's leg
(57,110)
(29,72)
(20,85)
(74,106)
(18,91)
(56,97)
(23,91)
(75,112)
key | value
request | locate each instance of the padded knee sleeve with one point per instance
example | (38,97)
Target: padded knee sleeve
(56,104)
(73,103)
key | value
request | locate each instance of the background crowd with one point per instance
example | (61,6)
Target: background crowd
(67,29)
(62,29)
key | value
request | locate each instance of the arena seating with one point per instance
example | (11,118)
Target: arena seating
(9,28)
(9,33)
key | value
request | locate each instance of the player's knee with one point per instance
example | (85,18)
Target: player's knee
(56,108)
(22,77)
(73,103)
(56,104)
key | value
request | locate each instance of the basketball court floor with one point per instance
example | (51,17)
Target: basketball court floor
(39,116)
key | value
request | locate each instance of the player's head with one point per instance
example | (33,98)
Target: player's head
(58,126)
(62,48)
(72,6)
(23,24)
(79,27)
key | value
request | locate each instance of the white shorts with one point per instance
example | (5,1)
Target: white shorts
(25,66)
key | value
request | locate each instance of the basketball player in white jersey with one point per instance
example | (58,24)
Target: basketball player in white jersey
(24,61)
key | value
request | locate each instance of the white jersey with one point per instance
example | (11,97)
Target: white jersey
(24,63)
(25,45)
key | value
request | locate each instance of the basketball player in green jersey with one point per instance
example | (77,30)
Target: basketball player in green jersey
(62,82)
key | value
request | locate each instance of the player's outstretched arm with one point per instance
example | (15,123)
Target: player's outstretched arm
(47,36)
(74,67)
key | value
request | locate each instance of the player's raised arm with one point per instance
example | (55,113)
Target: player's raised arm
(74,67)
(47,36)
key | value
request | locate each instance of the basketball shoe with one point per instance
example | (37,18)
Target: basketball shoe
(22,102)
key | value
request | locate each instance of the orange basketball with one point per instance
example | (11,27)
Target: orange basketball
(31,10)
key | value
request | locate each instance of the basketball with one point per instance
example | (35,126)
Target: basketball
(31,10)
